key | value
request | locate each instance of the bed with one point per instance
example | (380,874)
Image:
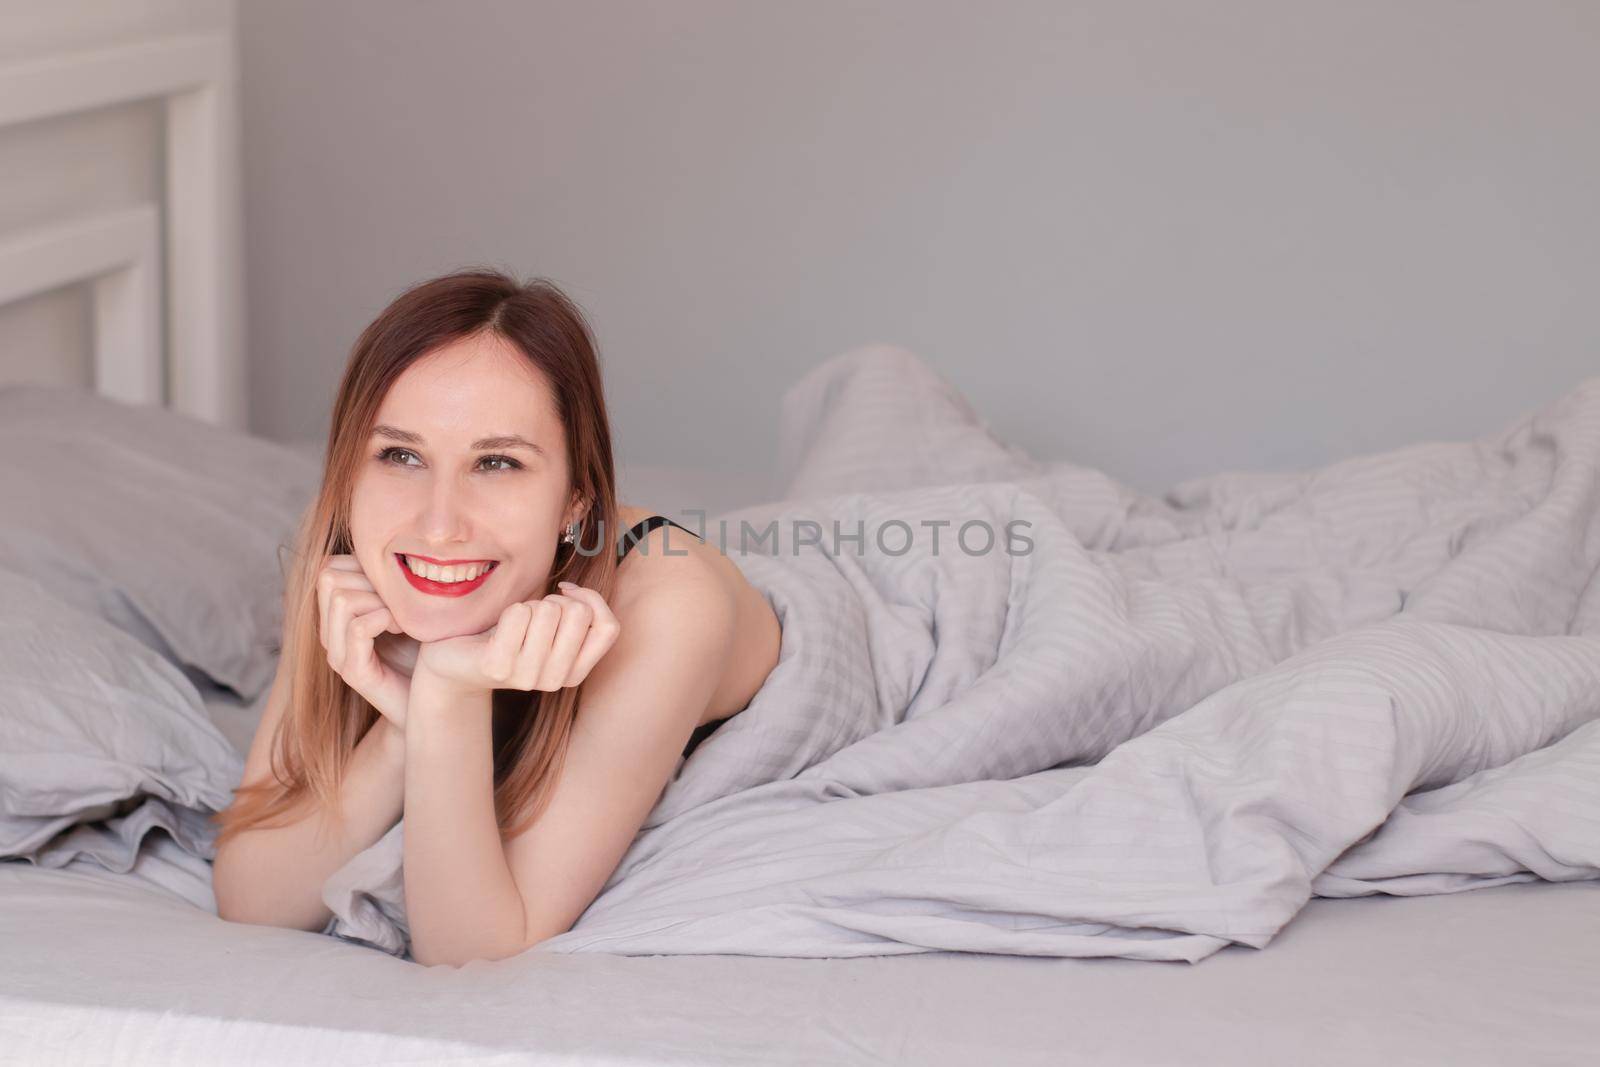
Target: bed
(856,869)
(103,968)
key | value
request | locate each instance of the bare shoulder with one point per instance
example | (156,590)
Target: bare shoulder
(667,561)
(673,571)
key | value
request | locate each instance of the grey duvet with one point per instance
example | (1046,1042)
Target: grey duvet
(1126,726)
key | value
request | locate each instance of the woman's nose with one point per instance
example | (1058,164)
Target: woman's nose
(445,512)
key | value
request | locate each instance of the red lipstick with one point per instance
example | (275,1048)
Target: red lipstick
(433,588)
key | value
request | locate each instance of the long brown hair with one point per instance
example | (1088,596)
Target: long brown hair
(325,718)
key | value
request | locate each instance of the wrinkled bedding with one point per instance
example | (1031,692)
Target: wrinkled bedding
(1158,730)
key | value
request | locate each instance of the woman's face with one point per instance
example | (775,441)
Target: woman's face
(436,483)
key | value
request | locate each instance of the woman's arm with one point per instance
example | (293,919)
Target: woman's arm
(471,896)
(461,902)
(274,877)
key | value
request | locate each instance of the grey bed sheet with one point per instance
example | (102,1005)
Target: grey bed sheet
(108,968)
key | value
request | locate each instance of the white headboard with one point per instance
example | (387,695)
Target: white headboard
(167,327)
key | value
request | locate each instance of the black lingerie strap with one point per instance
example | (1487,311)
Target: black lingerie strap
(637,532)
(701,732)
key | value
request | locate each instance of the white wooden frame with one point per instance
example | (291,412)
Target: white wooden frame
(200,369)
(120,252)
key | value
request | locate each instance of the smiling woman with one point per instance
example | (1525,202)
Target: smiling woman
(436,486)
(461,645)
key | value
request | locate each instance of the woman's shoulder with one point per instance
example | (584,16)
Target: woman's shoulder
(670,565)
(666,557)
(690,569)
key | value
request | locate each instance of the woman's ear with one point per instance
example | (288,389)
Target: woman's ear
(575,511)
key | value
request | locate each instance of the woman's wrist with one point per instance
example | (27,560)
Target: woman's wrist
(435,698)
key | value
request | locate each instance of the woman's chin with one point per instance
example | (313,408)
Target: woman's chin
(424,633)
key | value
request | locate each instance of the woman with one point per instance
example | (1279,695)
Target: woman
(466,641)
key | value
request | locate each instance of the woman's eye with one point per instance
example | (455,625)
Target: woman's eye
(387,454)
(393,455)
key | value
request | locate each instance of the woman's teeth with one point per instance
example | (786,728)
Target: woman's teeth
(460,572)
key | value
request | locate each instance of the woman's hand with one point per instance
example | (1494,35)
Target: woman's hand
(366,646)
(545,644)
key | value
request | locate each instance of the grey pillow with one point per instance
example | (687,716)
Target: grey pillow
(93,723)
(167,527)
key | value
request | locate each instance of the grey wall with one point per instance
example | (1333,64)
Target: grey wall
(1158,238)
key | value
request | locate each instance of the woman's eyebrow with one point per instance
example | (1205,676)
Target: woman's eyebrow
(510,440)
